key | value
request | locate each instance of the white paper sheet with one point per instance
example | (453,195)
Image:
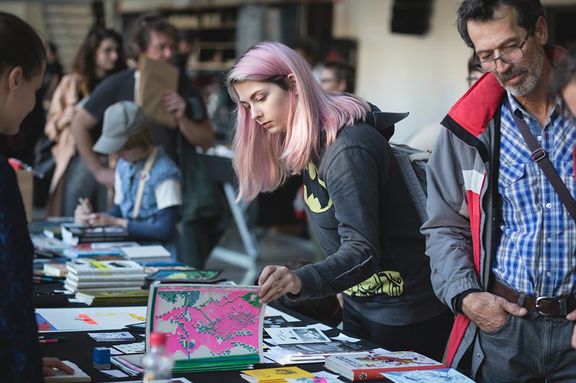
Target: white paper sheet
(271,311)
(88,318)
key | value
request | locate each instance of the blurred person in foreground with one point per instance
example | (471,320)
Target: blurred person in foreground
(21,70)
(564,84)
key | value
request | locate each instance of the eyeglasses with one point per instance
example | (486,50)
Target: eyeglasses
(508,55)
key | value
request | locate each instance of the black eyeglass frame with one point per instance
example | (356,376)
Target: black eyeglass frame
(502,56)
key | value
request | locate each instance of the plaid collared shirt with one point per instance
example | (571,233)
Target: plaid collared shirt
(536,252)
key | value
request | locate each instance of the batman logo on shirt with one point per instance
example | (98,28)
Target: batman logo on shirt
(384,282)
(316,195)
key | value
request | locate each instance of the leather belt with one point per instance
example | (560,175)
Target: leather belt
(547,306)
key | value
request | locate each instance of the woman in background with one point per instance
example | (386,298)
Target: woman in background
(100,55)
(22,66)
(356,201)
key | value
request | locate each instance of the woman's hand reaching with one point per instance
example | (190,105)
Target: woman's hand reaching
(276,281)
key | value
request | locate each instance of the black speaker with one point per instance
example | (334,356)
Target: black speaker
(98,13)
(411,16)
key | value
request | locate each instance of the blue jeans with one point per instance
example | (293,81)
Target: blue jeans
(533,348)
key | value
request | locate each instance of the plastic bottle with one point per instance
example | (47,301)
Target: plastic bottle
(157,362)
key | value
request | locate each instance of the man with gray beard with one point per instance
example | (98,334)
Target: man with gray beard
(500,241)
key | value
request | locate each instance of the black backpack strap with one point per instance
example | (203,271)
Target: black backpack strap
(541,158)
(407,159)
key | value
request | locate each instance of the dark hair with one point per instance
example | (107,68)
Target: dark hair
(342,71)
(529,11)
(20,46)
(564,74)
(308,47)
(52,47)
(85,61)
(474,63)
(149,23)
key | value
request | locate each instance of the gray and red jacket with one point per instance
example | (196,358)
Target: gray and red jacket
(462,228)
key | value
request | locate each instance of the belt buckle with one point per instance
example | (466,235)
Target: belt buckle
(543,306)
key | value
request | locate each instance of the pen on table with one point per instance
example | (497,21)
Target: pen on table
(50,340)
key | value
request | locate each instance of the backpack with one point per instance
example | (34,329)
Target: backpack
(411,161)
(412,165)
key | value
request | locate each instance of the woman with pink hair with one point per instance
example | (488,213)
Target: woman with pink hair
(356,202)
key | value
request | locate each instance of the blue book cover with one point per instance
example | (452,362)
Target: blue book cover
(428,376)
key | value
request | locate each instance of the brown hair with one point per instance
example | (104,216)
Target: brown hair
(147,24)
(85,60)
(143,139)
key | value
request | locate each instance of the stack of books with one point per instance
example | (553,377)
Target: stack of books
(95,275)
(73,234)
(371,365)
(98,249)
(107,298)
(312,352)
(54,269)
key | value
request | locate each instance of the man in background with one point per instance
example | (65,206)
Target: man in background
(337,76)
(200,227)
(500,241)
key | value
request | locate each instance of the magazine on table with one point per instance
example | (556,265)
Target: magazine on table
(208,327)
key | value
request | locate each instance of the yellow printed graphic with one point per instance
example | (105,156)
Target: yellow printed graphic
(311,200)
(384,282)
(98,265)
(137,317)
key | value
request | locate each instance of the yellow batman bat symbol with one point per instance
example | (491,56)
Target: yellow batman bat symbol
(310,199)
(387,282)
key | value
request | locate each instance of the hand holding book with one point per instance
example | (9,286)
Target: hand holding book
(175,104)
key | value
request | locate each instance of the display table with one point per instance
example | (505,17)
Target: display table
(78,347)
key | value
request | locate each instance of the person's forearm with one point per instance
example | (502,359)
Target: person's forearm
(81,126)
(197,133)
(161,229)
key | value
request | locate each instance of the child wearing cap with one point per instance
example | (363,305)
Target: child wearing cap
(147,189)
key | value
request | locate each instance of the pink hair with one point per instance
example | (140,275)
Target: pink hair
(263,161)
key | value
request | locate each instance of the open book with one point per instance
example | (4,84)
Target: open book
(208,327)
